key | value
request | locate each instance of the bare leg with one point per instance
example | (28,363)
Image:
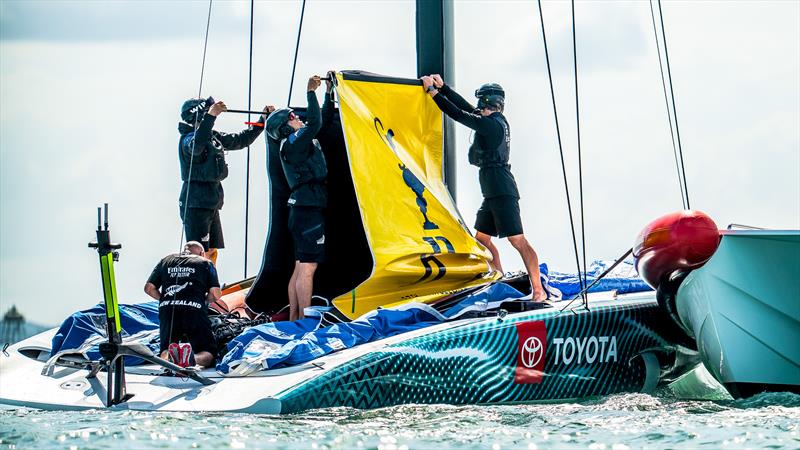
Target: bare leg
(293,310)
(531,261)
(212,255)
(304,285)
(204,359)
(486,240)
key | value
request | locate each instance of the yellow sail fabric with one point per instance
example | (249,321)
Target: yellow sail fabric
(422,250)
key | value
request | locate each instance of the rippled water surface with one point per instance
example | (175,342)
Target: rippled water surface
(615,422)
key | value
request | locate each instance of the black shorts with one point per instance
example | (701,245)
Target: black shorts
(188,324)
(203,225)
(307,225)
(499,216)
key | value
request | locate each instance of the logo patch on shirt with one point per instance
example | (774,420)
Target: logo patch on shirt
(174,289)
(321,240)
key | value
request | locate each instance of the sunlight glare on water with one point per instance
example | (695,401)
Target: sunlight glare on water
(613,423)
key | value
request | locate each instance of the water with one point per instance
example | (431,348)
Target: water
(615,422)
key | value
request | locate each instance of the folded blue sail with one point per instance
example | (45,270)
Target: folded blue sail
(83,331)
(290,343)
(624,279)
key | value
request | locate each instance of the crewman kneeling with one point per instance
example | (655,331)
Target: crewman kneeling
(183,284)
(306,173)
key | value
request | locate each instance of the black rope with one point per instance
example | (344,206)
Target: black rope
(191,157)
(296,49)
(247,167)
(666,104)
(205,47)
(585,291)
(558,133)
(580,165)
(674,110)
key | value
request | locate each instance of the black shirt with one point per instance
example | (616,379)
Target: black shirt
(184,280)
(494,181)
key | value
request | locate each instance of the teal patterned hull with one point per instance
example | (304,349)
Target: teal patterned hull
(535,356)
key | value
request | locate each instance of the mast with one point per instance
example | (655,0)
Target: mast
(435,55)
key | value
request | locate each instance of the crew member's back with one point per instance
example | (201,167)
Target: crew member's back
(184,283)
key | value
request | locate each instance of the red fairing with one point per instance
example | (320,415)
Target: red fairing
(683,240)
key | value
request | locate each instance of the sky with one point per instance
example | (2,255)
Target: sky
(90,95)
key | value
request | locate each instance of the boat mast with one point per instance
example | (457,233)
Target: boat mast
(435,55)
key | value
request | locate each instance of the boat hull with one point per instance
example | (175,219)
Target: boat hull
(743,310)
(532,356)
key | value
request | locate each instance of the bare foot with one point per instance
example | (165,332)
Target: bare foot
(539,295)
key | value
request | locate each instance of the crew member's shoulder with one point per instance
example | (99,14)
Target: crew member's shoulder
(170,258)
(293,137)
(185,128)
(197,258)
(497,115)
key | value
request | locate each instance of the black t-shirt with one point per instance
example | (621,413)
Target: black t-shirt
(184,280)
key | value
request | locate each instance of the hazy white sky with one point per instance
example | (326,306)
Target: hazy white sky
(90,94)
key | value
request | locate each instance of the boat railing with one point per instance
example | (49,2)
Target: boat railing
(739,226)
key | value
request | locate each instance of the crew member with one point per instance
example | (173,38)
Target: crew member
(306,172)
(201,151)
(183,284)
(499,213)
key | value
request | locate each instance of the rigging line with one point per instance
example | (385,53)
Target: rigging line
(666,104)
(580,164)
(296,50)
(247,166)
(191,157)
(674,110)
(205,47)
(558,133)
(599,277)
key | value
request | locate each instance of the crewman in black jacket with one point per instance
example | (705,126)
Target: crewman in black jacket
(499,213)
(201,151)
(306,172)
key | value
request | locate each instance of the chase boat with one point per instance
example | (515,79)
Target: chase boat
(734,292)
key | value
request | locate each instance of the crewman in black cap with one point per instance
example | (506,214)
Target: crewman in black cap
(499,213)
(306,173)
(201,152)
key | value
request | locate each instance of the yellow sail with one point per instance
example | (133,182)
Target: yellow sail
(421,248)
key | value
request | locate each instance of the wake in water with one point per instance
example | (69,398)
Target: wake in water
(615,422)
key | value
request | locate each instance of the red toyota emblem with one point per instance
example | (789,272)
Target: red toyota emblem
(531,351)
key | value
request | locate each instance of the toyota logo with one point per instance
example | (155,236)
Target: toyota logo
(531,352)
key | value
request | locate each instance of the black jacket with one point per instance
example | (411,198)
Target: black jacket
(302,158)
(208,166)
(491,146)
